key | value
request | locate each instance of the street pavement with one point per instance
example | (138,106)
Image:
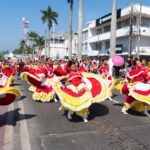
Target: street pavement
(31,125)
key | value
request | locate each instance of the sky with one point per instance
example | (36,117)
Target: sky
(12,11)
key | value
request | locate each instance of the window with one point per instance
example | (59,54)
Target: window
(126,23)
(145,22)
(86,46)
(99,31)
(106,29)
(134,21)
(119,25)
(98,46)
(107,44)
(85,35)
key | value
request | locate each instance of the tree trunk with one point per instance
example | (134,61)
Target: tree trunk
(45,53)
(80,29)
(113,29)
(49,42)
(70,40)
(39,54)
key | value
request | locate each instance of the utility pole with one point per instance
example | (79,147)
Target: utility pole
(130,33)
(80,29)
(139,33)
(113,28)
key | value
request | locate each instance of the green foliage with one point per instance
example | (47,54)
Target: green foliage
(49,16)
(17,51)
(32,36)
(39,42)
(1,55)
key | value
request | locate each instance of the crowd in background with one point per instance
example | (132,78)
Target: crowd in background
(97,66)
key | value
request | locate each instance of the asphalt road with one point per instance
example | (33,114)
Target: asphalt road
(32,125)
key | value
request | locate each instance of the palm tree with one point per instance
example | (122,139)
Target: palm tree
(26,49)
(17,51)
(32,37)
(50,17)
(70,2)
(80,29)
(21,45)
(39,43)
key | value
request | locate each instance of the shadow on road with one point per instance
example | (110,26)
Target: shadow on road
(12,117)
(119,104)
(21,98)
(136,113)
(16,84)
(96,110)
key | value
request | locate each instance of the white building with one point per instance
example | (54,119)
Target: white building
(59,45)
(133,21)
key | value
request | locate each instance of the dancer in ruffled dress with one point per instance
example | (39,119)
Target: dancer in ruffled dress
(7,93)
(40,76)
(137,89)
(80,91)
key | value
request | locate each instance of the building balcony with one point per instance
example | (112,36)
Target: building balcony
(106,36)
(57,45)
(123,32)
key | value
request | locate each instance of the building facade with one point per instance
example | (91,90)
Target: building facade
(59,45)
(133,31)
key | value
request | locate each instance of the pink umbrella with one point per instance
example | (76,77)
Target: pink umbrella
(118,61)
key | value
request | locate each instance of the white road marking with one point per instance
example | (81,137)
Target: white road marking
(9,131)
(24,132)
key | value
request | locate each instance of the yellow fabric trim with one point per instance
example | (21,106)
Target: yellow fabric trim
(83,112)
(104,93)
(14,80)
(24,76)
(145,99)
(118,87)
(9,81)
(49,79)
(43,96)
(139,106)
(32,88)
(10,90)
(73,103)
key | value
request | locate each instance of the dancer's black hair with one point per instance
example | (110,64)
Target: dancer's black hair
(70,63)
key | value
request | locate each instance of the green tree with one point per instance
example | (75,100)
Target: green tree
(50,17)
(1,55)
(25,48)
(17,51)
(39,43)
(32,36)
